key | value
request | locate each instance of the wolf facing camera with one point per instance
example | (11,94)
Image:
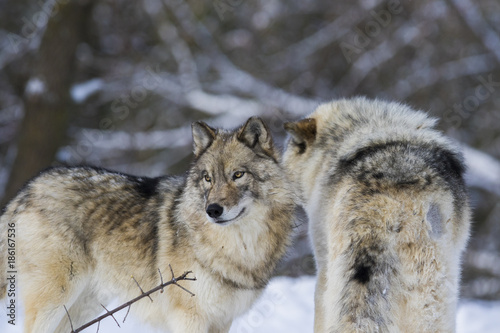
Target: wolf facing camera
(82,232)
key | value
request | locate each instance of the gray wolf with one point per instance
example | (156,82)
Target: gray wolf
(82,232)
(389,215)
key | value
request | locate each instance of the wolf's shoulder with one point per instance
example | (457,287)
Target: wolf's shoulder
(404,157)
(392,144)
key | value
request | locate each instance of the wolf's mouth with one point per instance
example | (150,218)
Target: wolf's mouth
(234,218)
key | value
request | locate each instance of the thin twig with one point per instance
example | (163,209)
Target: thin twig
(112,316)
(172,271)
(178,285)
(161,278)
(142,291)
(126,315)
(129,303)
(69,317)
(174,280)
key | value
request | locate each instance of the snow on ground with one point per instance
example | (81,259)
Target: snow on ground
(287,306)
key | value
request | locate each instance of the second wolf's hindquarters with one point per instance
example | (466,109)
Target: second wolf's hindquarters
(389,216)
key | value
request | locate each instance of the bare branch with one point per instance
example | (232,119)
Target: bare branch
(479,26)
(192,90)
(175,282)
(69,317)
(262,91)
(427,77)
(371,60)
(142,291)
(161,277)
(172,271)
(110,313)
(331,33)
(483,170)
(128,310)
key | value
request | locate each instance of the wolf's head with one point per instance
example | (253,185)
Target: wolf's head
(300,159)
(338,129)
(233,171)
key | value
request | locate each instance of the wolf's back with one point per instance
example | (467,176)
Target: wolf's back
(406,216)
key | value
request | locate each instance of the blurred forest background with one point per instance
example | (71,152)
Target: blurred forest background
(116,83)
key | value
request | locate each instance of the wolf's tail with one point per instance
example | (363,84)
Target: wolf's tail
(366,297)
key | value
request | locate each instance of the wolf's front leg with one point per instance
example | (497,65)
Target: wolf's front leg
(319,304)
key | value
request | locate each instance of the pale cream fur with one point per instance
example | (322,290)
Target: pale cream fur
(82,233)
(420,295)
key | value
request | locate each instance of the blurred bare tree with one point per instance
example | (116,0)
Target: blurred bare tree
(46,96)
(144,70)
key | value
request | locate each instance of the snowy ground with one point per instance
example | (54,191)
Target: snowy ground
(287,306)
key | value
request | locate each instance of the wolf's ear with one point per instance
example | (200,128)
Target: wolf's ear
(303,132)
(203,136)
(256,135)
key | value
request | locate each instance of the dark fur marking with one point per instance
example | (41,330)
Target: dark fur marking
(445,163)
(370,191)
(301,146)
(407,182)
(255,140)
(250,133)
(364,265)
(145,186)
(118,213)
(152,231)
(172,212)
(362,273)
(438,156)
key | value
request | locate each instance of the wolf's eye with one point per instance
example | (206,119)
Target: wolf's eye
(238,174)
(207,178)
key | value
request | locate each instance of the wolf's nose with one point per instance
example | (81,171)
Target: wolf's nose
(214,210)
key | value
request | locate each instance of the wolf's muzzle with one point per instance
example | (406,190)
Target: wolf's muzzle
(214,211)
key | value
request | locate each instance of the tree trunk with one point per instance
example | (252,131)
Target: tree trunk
(46,96)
